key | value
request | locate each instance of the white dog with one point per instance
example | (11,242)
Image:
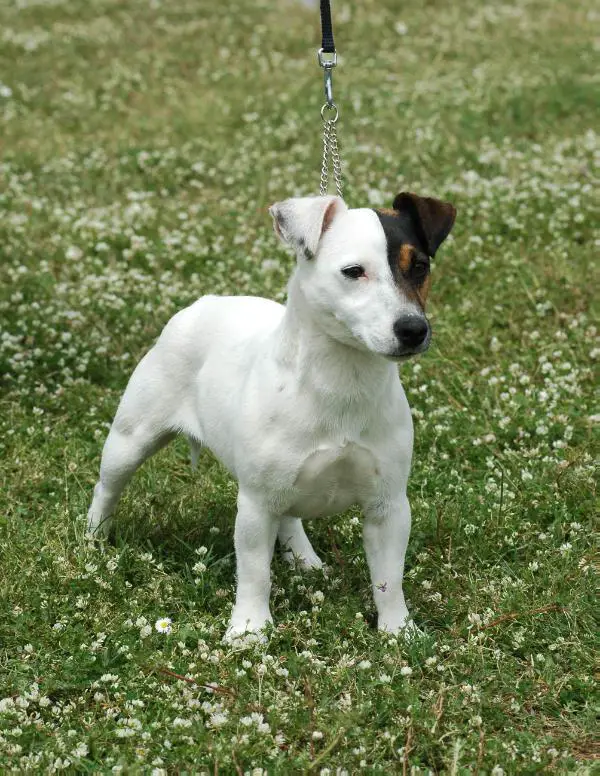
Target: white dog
(302,403)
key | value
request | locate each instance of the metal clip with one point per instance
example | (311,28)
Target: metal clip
(327,61)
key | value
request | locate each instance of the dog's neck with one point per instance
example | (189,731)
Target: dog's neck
(328,368)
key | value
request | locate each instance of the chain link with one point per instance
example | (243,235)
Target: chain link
(330,149)
(325,165)
(335,159)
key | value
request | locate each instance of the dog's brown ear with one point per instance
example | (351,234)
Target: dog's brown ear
(432,218)
(302,221)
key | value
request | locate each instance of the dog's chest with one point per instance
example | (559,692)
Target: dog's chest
(331,479)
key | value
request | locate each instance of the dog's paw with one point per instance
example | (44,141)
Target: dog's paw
(247,629)
(406,628)
(97,527)
(306,561)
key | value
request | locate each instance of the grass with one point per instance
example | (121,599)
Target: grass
(142,142)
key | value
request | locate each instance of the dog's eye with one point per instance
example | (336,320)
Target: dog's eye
(420,269)
(354,272)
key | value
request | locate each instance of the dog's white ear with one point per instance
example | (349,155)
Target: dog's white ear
(301,221)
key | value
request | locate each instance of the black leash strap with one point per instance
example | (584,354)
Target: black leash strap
(327,46)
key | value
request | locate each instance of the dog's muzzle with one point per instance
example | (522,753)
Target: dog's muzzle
(413,333)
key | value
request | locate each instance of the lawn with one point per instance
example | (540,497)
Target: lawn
(141,144)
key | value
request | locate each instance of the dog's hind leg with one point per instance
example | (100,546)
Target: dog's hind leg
(296,545)
(141,427)
(124,452)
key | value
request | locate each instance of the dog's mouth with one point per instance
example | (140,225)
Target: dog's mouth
(403,354)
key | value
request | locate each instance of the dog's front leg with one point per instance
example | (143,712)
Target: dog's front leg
(255,533)
(385,534)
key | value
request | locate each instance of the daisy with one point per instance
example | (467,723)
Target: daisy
(163,625)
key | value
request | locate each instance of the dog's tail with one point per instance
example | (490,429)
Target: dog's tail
(195,450)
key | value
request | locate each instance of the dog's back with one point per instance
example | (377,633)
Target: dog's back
(214,324)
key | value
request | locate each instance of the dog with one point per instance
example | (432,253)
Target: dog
(302,403)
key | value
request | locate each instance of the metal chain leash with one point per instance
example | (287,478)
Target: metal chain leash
(329,112)
(335,158)
(330,150)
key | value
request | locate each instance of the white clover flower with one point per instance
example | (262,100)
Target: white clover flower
(199,567)
(163,625)
(375,196)
(80,750)
(145,631)
(6,704)
(109,678)
(125,732)
(406,670)
(364,665)
(73,253)
(217,719)
(317,735)
(181,722)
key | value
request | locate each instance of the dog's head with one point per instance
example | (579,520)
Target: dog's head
(365,273)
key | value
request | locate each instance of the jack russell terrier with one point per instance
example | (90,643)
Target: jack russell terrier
(302,403)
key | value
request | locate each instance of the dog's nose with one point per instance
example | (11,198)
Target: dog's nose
(411,330)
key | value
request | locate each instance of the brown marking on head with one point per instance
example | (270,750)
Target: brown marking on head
(414,290)
(405,256)
(423,291)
